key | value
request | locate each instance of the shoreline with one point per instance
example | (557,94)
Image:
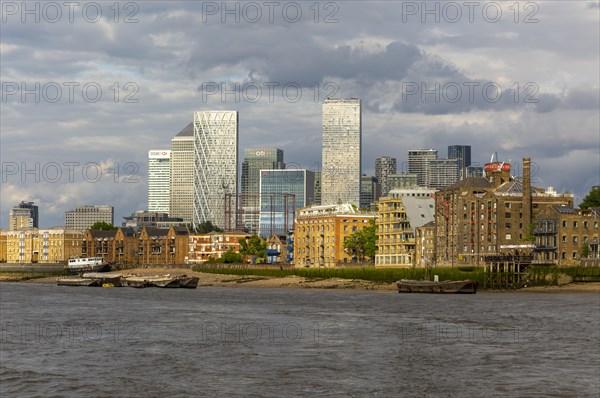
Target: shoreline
(298,282)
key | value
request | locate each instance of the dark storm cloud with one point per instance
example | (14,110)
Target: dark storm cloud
(373,52)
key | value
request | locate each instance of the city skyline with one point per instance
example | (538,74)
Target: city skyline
(183,62)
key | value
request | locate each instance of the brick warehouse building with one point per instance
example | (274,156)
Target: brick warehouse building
(481,216)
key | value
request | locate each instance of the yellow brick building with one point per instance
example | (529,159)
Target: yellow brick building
(319,234)
(52,245)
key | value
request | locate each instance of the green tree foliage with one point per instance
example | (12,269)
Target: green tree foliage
(102,226)
(253,246)
(592,199)
(231,257)
(362,243)
(207,227)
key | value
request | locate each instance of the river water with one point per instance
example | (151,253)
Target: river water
(106,342)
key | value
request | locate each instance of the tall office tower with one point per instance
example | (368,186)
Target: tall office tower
(256,159)
(159,172)
(282,192)
(417,163)
(384,166)
(442,173)
(83,217)
(181,200)
(317,187)
(368,191)
(342,132)
(23,215)
(215,165)
(463,154)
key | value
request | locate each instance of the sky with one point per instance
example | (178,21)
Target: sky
(88,88)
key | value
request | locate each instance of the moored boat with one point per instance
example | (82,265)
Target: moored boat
(76,281)
(79,265)
(468,286)
(188,282)
(111,278)
(163,281)
(134,281)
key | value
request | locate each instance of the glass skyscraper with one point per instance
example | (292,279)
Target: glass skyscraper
(215,165)
(159,172)
(277,205)
(342,139)
(463,154)
(255,160)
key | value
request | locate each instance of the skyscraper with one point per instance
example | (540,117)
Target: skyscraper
(256,159)
(159,172)
(181,201)
(417,163)
(277,209)
(463,154)
(24,215)
(342,136)
(215,164)
(368,191)
(384,166)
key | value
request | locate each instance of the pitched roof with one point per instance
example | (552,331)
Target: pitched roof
(153,231)
(96,233)
(420,211)
(187,131)
(471,182)
(128,231)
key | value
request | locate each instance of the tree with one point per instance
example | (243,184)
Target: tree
(362,243)
(206,227)
(103,226)
(231,257)
(592,199)
(253,246)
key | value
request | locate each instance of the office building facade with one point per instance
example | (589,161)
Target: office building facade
(463,154)
(368,191)
(418,160)
(255,160)
(181,186)
(442,173)
(215,164)
(23,215)
(384,166)
(342,140)
(282,192)
(83,217)
(159,172)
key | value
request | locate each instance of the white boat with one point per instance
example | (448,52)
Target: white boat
(77,265)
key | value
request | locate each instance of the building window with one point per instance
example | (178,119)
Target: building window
(507,225)
(564,224)
(563,255)
(574,239)
(508,236)
(574,255)
(564,239)
(507,215)
(575,224)
(585,224)
(507,205)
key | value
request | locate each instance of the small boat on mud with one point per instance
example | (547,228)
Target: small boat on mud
(468,286)
(164,281)
(79,265)
(76,281)
(103,278)
(188,282)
